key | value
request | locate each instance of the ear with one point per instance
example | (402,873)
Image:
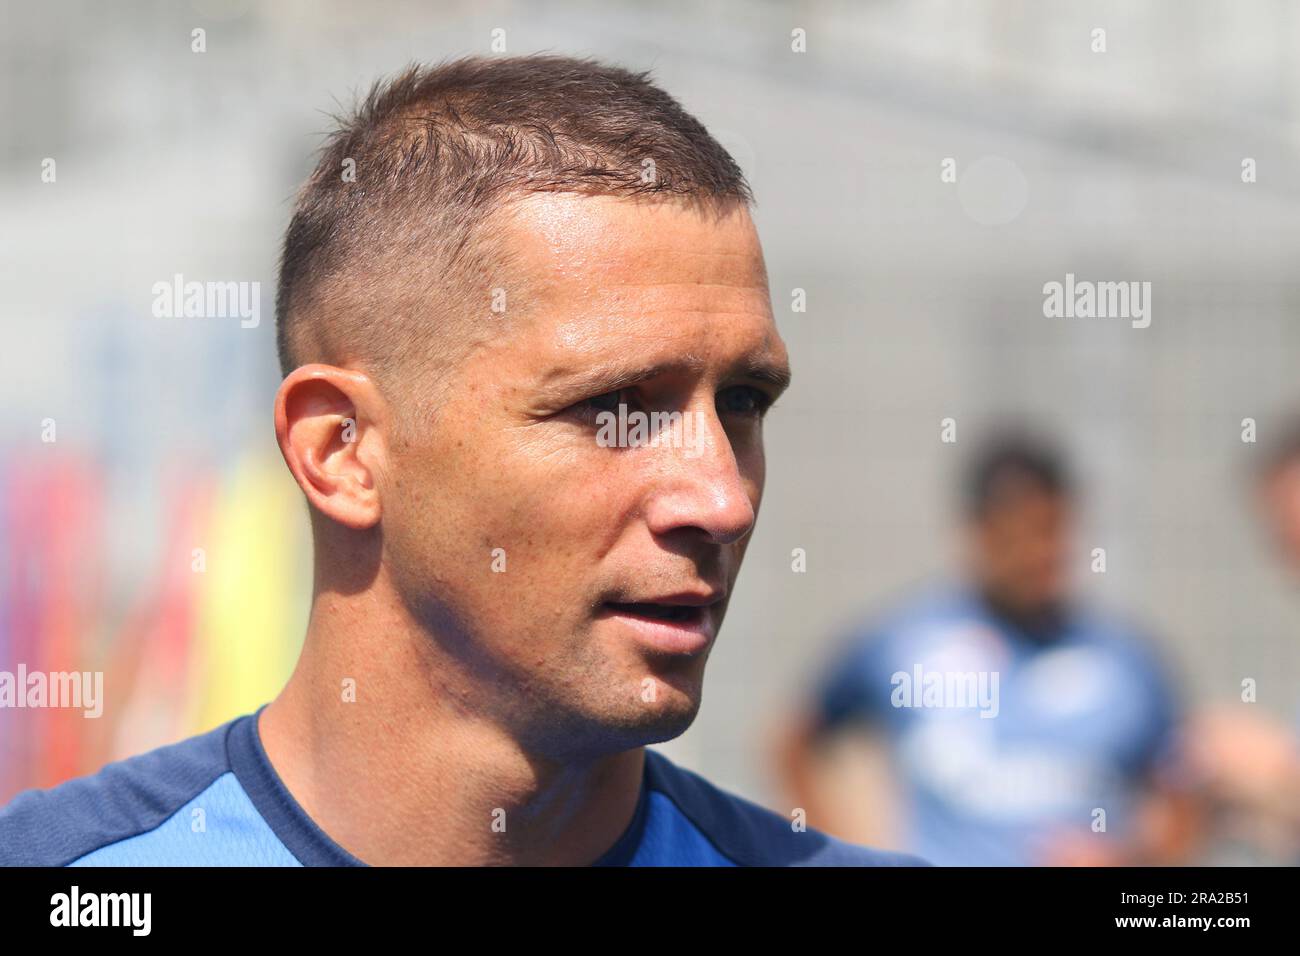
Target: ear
(329,423)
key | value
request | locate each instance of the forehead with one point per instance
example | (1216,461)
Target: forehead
(614,269)
(562,234)
(1027,504)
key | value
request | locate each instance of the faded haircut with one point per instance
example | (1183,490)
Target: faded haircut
(1011,462)
(392,242)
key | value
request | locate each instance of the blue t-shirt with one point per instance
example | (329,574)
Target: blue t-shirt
(215,800)
(1002,741)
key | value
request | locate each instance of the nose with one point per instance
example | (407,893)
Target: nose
(701,485)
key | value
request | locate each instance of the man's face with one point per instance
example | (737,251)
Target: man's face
(1022,550)
(1280,501)
(589,629)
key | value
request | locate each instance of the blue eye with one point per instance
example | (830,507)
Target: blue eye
(743,400)
(739,400)
(589,408)
(608,402)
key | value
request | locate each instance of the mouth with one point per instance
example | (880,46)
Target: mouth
(659,612)
(676,625)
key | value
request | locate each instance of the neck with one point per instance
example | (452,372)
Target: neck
(1041,624)
(407,770)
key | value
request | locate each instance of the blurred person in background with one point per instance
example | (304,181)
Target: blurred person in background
(1245,764)
(994,720)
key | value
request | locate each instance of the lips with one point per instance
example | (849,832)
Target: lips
(684,623)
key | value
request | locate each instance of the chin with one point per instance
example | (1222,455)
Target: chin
(669,716)
(596,725)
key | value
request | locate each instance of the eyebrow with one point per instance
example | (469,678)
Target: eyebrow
(775,374)
(614,375)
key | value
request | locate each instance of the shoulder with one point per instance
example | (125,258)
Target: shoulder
(56,826)
(749,835)
(1124,644)
(864,657)
(912,616)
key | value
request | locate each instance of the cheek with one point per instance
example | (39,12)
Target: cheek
(552,512)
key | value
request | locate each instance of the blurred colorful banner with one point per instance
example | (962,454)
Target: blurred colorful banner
(210,631)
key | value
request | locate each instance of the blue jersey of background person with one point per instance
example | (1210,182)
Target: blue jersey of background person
(1008,769)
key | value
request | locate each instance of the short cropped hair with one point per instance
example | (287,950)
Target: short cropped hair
(391,235)
(1009,464)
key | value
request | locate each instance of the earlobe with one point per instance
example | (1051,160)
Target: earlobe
(327,423)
